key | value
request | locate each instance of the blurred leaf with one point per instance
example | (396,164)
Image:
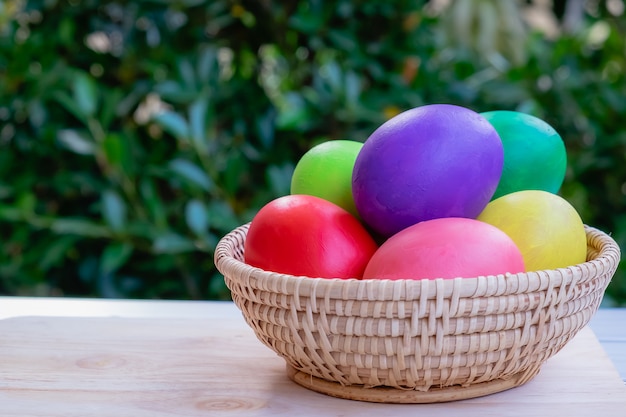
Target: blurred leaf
(70,105)
(5,191)
(218,289)
(76,141)
(342,39)
(222,216)
(153,203)
(114,256)
(352,88)
(279,178)
(37,113)
(197,122)
(85,93)
(118,153)
(78,226)
(173,123)
(187,74)
(207,242)
(196,215)
(111,102)
(169,90)
(107,286)
(10,213)
(26,202)
(191,173)
(306,22)
(172,243)
(293,113)
(265,128)
(114,210)
(207,65)
(57,251)
(332,74)
(140,229)
(236,165)
(88,269)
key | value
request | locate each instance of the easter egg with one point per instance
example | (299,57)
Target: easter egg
(325,171)
(429,162)
(445,248)
(309,236)
(546,227)
(534,153)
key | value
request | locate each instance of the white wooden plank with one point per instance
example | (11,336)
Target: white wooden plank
(197,367)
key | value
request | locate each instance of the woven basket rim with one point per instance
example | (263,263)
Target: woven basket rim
(603,254)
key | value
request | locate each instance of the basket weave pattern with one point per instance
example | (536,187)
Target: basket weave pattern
(418,334)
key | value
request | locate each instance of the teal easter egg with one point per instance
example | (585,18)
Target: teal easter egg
(534,153)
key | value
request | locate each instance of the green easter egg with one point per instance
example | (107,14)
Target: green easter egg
(325,171)
(534,153)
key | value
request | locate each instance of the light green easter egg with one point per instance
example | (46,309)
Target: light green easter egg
(325,171)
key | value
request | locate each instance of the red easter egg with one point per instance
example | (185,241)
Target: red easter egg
(309,236)
(448,247)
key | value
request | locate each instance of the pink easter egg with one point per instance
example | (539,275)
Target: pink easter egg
(448,247)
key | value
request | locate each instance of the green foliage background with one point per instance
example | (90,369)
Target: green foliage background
(133,135)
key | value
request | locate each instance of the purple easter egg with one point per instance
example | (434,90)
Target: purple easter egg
(433,161)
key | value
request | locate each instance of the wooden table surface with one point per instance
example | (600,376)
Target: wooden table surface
(76,357)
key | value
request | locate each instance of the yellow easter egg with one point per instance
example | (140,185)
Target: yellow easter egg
(547,228)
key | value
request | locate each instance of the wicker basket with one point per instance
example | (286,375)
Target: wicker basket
(417,341)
